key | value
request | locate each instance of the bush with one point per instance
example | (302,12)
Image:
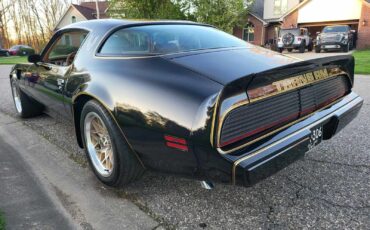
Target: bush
(25,51)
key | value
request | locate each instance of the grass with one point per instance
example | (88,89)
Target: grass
(362,61)
(2,221)
(12,60)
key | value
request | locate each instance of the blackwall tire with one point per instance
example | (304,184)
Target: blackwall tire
(126,167)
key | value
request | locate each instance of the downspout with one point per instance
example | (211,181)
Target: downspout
(97,9)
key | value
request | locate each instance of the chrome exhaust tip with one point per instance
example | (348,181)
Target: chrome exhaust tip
(207,185)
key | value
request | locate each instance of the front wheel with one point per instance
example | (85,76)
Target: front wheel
(280,50)
(24,105)
(109,155)
(345,48)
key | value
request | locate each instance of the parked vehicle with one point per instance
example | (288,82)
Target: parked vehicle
(21,50)
(339,37)
(184,98)
(295,39)
(4,53)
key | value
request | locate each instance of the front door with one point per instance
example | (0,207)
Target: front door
(50,75)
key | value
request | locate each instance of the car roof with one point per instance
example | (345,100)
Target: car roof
(107,24)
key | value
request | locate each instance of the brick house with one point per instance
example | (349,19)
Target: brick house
(267,17)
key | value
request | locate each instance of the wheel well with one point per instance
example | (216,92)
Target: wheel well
(77,109)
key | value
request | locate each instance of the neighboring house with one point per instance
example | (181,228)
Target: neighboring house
(83,12)
(263,23)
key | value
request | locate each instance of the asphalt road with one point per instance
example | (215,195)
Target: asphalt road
(329,188)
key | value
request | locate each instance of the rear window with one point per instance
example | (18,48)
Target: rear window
(335,29)
(165,39)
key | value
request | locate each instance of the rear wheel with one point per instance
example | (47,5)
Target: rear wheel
(109,155)
(302,47)
(280,50)
(290,50)
(24,105)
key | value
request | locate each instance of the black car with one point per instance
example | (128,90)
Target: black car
(4,53)
(184,98)
(339,37)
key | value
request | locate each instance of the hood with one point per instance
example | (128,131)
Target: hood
(227,65)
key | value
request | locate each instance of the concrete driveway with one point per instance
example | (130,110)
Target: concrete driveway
(329,188)
(312,55)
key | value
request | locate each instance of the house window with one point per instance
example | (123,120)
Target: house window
(74,19)
(248,33)
(280,7)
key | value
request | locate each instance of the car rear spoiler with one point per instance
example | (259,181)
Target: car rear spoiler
(344,63)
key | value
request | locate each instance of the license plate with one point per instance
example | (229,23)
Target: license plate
(315,137)
(331,46)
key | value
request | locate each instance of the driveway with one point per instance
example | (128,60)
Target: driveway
(329,188)
(312,55)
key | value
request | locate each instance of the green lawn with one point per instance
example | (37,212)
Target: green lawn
(362,61)
(12,60)
(2,222)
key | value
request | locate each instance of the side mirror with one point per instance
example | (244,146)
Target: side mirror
(34,58)
(353,31)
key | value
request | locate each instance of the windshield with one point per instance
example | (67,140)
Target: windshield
(335,29)
(165,39)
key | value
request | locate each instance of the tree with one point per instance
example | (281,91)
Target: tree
(145,9)
(224,14)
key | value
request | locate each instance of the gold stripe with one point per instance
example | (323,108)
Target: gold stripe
(111,114)
(214,120)
(223,117)
(236,163)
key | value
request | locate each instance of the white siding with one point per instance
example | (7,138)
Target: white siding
(330,10)
(269,8)
(67,18)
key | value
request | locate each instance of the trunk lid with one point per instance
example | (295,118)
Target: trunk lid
(227,65)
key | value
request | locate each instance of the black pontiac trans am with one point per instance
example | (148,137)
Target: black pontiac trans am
(184,98)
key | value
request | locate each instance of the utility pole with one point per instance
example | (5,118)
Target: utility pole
(97,10)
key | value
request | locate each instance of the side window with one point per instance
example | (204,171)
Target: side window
(126,42)
(65,48)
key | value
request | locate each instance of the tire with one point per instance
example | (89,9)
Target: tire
(345,48)
(25,106)
(302,47)
(280,50)
(317,49)
(310,47)
(290,50)
(125,167)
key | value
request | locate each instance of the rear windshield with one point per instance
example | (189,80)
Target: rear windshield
(166,39)
(292,31)
(335,29)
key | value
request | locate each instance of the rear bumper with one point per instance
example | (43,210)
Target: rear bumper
(292,143)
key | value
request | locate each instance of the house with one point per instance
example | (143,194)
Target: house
(83,12)
(267,17)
